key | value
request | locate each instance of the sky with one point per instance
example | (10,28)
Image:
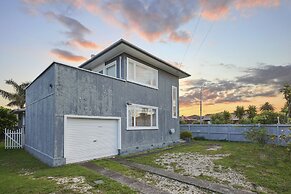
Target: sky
(238,50)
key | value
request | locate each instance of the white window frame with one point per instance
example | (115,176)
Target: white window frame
(134,75)
(176,109)
(113,63)
(142,127)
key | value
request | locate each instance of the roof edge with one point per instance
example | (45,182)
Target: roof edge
(122,41)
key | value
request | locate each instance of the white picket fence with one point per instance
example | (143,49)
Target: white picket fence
(14,139)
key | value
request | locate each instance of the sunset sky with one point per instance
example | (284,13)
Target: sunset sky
(239,50)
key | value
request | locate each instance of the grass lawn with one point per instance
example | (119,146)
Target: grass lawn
(266,166)
(14,163)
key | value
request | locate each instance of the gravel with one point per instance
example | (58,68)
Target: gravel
(170,185)
(76,184)
(195,165)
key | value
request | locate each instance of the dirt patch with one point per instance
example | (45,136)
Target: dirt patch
(213,148)
(25,172)
(170,185)
(196,165)
(76,184)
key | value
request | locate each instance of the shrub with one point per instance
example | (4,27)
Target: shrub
(7,119)
(257,135)
(185,135)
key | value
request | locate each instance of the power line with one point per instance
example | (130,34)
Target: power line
(204,39)
(192,35)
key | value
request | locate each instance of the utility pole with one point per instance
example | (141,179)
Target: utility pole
(201,98)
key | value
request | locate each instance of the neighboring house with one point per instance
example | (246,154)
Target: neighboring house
(123,100)
(190,119)
(20,114)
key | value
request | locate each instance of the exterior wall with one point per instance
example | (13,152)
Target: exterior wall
(79,92)
(120,65)
(40,120)
(233,132)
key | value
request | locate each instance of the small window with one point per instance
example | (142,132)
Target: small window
(142,117)
(141,74)
(110,69)
(174,102)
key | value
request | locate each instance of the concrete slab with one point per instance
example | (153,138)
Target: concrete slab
(134,184)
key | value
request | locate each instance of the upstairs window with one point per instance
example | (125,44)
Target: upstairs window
(174,102)
(141,74)
(142,117)
(110,69)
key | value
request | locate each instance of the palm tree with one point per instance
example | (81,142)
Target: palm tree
(252,112)
(18,98)
(286,90)
(267,107)
(239,112)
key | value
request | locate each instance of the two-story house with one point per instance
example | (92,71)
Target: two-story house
(122,100)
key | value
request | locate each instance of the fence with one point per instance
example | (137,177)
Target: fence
(14,139)
(234,132)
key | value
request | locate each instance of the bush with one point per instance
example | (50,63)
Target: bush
(185,135)
(257,135)
(7,119)
(269,117)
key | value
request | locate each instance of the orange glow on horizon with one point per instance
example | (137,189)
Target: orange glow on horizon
(278,102)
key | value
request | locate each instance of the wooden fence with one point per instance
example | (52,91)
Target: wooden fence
(14,139)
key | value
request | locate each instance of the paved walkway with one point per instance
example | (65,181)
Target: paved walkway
(132,183)
(184,179)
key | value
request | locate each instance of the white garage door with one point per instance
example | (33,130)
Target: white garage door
(89,138)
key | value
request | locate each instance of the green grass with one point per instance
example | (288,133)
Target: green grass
(117,167)
(267,166)
(13,162)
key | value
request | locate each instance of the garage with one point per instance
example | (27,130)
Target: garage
(87,138)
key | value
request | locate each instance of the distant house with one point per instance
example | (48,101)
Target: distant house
(20,114)
(122,100)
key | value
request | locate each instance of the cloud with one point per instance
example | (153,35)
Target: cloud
(268,74)
(246,4)
(215,10)
(180,36)
(157,20)
(67,56)
(76,31)
(263,81)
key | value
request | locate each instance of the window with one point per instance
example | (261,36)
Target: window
(174,102)
(110,69)
(142,117)
(141,74)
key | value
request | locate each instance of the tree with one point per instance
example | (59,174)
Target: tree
(18,98)
(286,90)
(239,112)
(269,117)
(252,112)
(7,119)
(226,116)
(267,107)
(221,118)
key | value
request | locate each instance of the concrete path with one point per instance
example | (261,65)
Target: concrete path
(184,179)
(134,184)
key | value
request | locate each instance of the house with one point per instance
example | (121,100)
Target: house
(122,100)
(20,114)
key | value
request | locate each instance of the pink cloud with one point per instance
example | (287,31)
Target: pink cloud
(180,36)
(67,56)
(246,4)
(160,19)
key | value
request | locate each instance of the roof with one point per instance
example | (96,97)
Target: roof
(20,110)
(123,46)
